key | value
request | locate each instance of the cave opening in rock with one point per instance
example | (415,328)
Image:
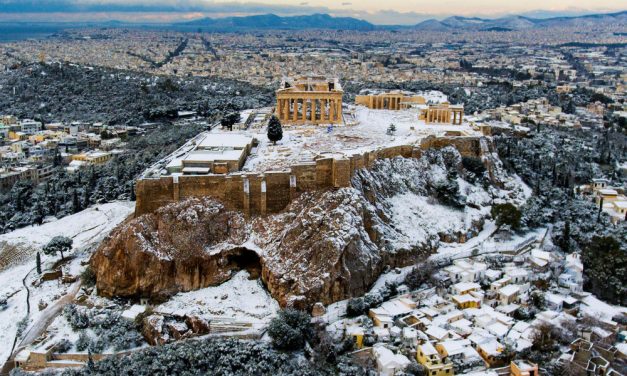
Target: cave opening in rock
(245,259)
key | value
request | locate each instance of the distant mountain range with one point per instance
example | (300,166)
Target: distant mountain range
(325,21)
(272,21)
(34,29)
(518,22)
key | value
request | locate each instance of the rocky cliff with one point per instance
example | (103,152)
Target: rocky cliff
(326,246)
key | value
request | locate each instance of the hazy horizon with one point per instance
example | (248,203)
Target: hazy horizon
(395,12)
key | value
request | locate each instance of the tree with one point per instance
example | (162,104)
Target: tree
(604,263)
(474,165)
(90,361)
(420,274)
(38,261)
(230,119)
(355,307)
(58,244)
(88,277)
(275,130)
(565,240)
(76,204)
(506,214)
(416,369)
(543,338)
(289,329)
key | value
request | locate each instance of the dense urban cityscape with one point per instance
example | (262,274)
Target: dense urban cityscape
(315,195)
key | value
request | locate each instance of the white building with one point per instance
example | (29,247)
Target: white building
(388,363)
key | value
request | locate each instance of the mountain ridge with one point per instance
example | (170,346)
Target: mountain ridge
(272,21)
(515,22)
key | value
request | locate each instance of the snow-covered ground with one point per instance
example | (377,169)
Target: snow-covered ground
(86,228)
(421,220)
(303,143)
(239,299)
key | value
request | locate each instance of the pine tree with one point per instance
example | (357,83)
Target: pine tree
(38,260)
(58,244)
(275,130)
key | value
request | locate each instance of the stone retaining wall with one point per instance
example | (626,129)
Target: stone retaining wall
(271,192)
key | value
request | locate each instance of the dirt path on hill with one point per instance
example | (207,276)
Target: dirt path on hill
(39,327)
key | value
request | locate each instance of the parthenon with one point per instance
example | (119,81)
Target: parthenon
(391,100)
(310,100)
(443,113)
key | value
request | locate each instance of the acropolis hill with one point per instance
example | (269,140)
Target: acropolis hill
(247,172)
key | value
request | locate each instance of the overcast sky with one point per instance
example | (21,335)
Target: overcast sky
(376,11)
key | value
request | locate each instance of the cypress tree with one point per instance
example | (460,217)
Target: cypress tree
(275,130)
(76,205)
(38,263)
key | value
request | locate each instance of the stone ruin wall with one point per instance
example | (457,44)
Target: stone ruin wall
(271,192)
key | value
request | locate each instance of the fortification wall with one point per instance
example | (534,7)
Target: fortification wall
(271,192)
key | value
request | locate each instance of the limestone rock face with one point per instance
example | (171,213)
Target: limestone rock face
(198,325)
(154,331)
(163,253)
(325,246)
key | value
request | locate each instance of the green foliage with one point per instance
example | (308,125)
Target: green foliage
(38,263)
(228,357)
(537,299)
(290,329)
(230,119)
(83,341)
(474,165)
(507,214)
(419,275)
(21,326)
(355,307)
(605,264)
(447,193)
(88,277)
(109,329)
(275,130)
(58,244)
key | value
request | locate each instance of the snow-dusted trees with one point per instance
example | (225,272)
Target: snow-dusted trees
(209,356)
(506,215)
(606,265)
(229,120)
(58,244)
(290,329)
(553,163)
(64,193)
